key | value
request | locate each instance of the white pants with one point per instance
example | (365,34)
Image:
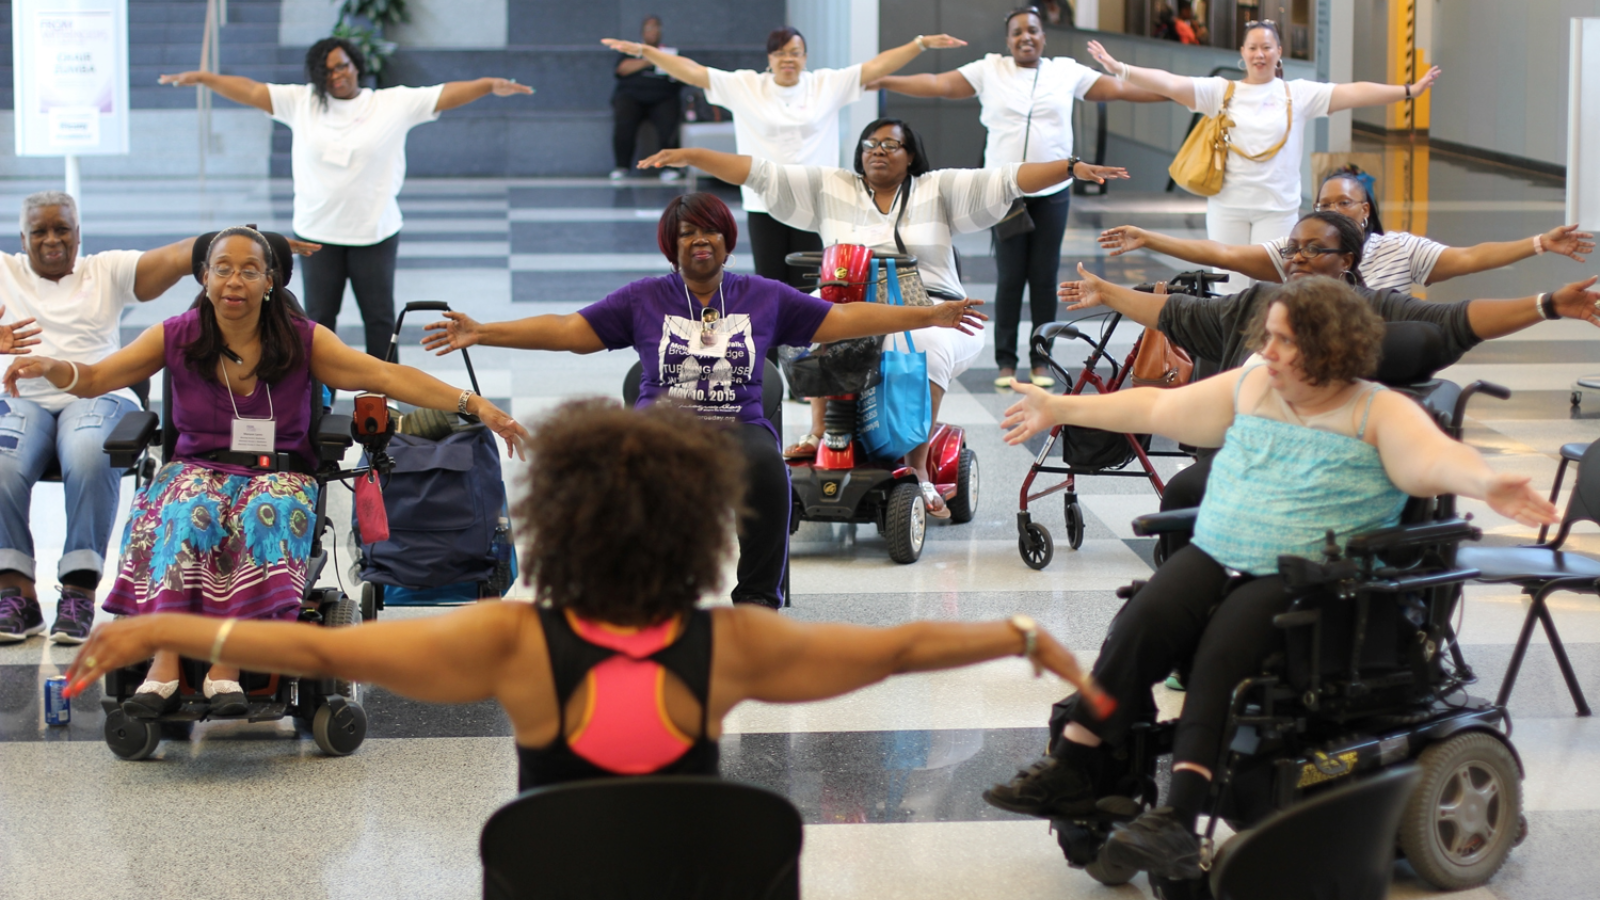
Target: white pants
(950,352)
(1234,225)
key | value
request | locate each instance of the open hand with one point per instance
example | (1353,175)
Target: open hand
(302,248)
(509,429)
(27,367)
(111,646)
(1425,82)
(457,332)
(505,87)
(674,158)
(1577,301)
(628,48)
(1081,294)
(183,79)
(1106,61)
(1568,241)
(941,41)
(1121,239)
(1098,174)
(1049,654)
(1030,415)
(18,336)
(960,315)
(1513,496)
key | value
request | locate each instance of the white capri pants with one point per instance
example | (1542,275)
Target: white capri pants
(950,352)
(1234,225)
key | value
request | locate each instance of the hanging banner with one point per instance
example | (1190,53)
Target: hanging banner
(70,65)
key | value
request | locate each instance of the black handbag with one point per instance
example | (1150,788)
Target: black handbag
(1017,222)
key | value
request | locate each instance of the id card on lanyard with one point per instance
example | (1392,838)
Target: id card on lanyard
(251,435)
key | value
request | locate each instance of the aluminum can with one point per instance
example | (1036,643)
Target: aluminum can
(57,707)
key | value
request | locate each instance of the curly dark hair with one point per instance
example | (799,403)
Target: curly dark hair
(282,350)
(317,65)
(628,514)
(1339,335)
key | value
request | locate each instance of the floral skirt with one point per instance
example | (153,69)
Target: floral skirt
(207,542)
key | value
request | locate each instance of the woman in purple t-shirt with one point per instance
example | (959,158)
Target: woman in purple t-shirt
(217,532)
(702,334)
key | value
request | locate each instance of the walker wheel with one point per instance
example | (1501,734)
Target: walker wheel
(1035,546)
(1074,514)
(131,738)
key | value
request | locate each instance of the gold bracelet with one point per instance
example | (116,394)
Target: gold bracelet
(222,638)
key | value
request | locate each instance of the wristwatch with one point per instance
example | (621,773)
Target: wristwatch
(461,403)
(1072,166)
(1029,630)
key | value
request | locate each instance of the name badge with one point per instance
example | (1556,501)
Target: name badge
(337,154)
(254,436)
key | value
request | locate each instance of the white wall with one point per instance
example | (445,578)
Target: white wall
(841,33)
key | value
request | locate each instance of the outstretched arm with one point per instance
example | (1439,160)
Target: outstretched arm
(1095,291)
(1107,88)
(951,85)
(1173,87)
(853,320)
(1566,240)
(133,363)
(1423,461)
(895,58)
(1196,414)
(1253,260)
(1497,318)
(1038,176)
(1370,93)
(682,68)
(460,93)
(239,89)
(571,332)
(729,167)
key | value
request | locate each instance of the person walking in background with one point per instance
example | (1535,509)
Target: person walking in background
(645,90)
(349,162)
(788,114)
(1260,196)
(1027,108)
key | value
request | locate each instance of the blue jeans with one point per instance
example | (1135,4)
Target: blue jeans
(30,437)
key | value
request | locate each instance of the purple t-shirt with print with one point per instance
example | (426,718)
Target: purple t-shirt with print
(717,372)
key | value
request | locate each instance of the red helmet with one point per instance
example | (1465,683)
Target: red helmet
(843,276)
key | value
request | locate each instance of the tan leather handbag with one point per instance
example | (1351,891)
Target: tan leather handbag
(1203,159)
(1159,363)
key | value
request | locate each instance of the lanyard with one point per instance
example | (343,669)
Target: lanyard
(272,414)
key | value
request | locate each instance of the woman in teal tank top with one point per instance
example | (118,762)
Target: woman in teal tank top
(1309,445)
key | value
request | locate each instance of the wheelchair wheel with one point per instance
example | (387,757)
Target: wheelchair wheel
(1035,546)
(964,505)
(1465,815)
(1109,874)
(1074,514)
(131,738)
(342,612)
(339,727)
(906,523)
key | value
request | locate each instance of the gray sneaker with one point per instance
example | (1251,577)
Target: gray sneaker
(74,616)
(20,617)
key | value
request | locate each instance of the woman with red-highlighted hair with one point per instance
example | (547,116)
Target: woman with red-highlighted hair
(702,334)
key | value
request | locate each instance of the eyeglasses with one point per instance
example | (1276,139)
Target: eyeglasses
(226,271)
(788,54)
(1257,23)
(889,146)
(1344,205)
(1308,252)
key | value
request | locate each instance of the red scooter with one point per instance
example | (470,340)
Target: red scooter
(843,484)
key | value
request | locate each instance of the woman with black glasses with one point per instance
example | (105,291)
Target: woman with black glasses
(1260,196)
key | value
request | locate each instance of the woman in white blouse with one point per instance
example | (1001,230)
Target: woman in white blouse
(1027,108)
(788,114)
(349,161)
(893,202)
(1260,196)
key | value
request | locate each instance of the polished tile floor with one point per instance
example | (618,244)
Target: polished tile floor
(888,778)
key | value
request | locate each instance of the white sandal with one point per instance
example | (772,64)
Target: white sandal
(805,448)
(931,496)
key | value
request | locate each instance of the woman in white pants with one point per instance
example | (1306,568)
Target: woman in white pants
(1260,196)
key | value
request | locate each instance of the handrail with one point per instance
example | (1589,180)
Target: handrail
(210,61)
(1195,119)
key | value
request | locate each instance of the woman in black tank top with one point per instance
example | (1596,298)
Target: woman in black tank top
(624,527)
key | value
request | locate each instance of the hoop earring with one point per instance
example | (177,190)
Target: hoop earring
(1240,64)
(1349,277)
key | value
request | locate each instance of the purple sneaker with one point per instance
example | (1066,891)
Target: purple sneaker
(20,617)
(74,616)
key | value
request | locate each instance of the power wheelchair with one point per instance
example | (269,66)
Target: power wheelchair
(1371,676)
(329,707)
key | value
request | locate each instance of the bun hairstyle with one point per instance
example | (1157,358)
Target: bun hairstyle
(282,349)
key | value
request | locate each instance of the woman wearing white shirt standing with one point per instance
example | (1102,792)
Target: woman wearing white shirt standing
(349,161)
(788,114)
(1027,108)
(1260,196)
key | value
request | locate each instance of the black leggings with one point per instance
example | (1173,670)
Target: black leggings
(764,531)
(1034,260)
(662,107)
(370,271)
(1191,610)
(771,241)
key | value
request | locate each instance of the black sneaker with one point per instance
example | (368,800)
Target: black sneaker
(1049,789)
(74,616)
(20,617)
(1157,843)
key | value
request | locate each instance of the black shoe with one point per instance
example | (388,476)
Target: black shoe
(1050,789)
(150,705)
(1157,843)
(226,703)
(20,617)
(74,617)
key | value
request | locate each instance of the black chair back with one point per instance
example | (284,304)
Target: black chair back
(644,838)
(1338,844)
(1584,505)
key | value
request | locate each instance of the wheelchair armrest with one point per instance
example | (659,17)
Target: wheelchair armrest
(135,432)
(335,434)
(1173,521)
(1420,534)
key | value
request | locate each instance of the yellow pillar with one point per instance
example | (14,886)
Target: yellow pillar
(1406,65)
